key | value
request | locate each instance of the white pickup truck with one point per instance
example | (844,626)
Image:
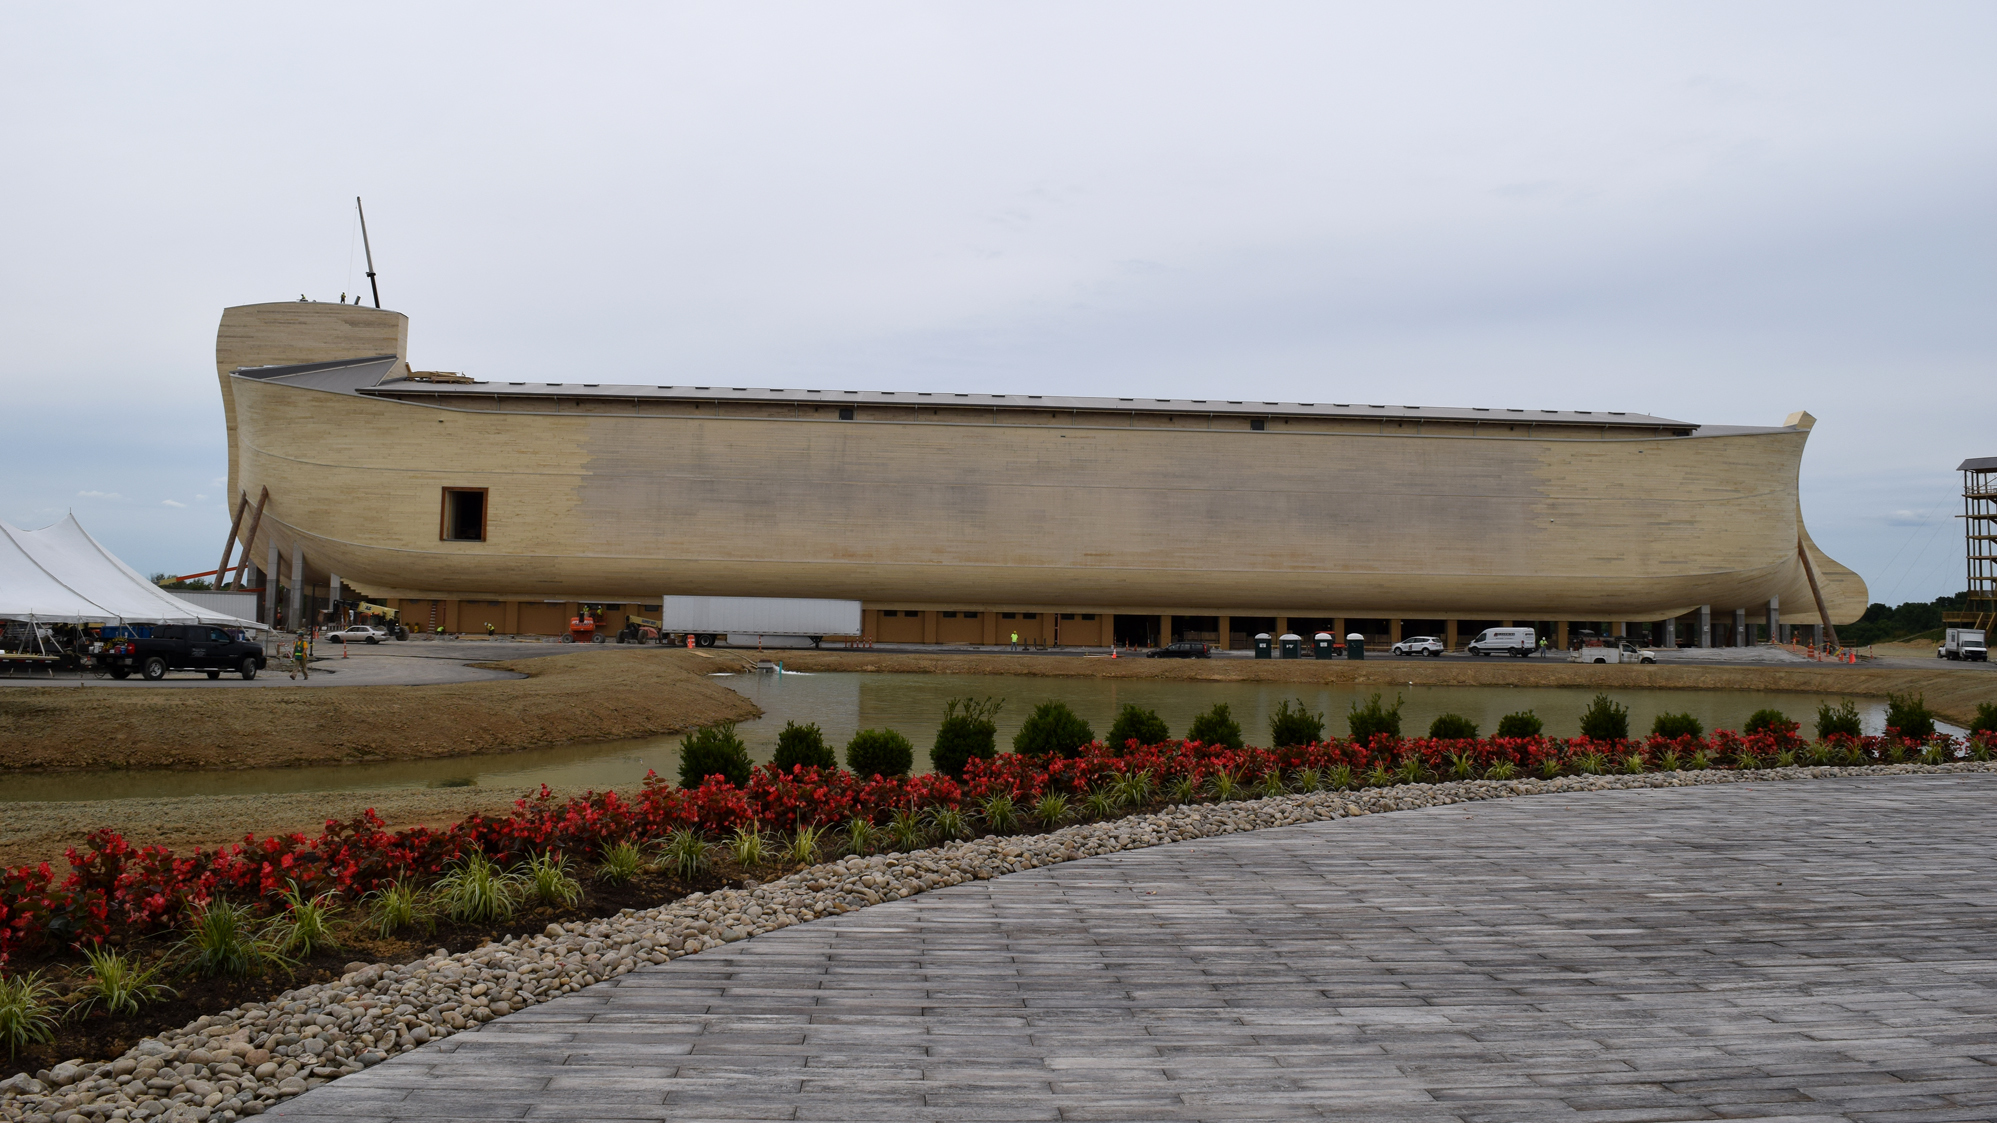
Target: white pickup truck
(1612,651)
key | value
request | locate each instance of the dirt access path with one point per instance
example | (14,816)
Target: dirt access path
(590,695)
(1953,690)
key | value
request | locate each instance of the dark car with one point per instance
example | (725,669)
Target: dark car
(1184,649)
(155,650)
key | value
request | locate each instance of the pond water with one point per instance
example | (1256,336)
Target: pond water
(842,703)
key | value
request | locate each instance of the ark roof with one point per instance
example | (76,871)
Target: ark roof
(375,377)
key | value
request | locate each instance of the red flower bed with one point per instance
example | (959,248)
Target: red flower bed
(114,888)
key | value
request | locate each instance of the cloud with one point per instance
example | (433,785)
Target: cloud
(99,495)
(171,503)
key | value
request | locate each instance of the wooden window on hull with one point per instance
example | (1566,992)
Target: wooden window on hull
(464,515)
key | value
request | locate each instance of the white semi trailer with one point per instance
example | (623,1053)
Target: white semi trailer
(759,621)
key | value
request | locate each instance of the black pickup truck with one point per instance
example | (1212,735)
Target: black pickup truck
(155,650)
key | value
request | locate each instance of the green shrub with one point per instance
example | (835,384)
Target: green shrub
(1605,720)
(1216,727)
(1525,723)
(1986,718)
(118,984)
(1769,721)
(1373,719)
(714,751)
(1135,723)
(968,730)
(27,1012)
(803,745)
(1298,726)
(879,752)
(1676,725)
(1452,727)
(1839,720)
(1910,716)
(1052,730)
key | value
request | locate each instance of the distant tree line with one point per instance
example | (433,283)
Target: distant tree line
(169,581)
(1881,624)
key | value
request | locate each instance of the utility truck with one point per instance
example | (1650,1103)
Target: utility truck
(759,621)
(1611,650)
(1963,643)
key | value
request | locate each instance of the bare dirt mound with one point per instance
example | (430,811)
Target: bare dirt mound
(580,696)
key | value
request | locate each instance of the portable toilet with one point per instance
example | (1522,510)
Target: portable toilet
(1293,645)
(1355,646)
(1262,646)
(1323,646)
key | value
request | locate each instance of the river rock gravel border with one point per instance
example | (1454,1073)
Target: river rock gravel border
(242,1061)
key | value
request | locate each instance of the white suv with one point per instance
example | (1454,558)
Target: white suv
(1419,645)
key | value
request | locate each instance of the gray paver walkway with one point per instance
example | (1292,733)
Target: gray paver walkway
(1820,950)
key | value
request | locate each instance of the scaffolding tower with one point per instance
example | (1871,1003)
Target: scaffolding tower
(1979,535)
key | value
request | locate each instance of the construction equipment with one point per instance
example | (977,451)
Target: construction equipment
(639,630)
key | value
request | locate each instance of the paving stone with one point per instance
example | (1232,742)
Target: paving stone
(1822,950)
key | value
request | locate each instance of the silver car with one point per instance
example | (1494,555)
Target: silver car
(358,633)
(1419,645)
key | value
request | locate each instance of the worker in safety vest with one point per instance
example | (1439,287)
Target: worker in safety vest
(301,653)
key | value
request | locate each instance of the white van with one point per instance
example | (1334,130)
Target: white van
(1507,641)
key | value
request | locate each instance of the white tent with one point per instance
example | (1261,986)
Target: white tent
(60,574)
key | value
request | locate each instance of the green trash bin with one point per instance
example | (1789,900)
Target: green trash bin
(1323,646)
(1292,646)
(1262,650)
(1355,646)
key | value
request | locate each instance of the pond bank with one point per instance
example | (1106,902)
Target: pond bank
(1953,690)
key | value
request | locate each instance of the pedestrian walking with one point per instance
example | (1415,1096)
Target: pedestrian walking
(301,654)
(1015,641)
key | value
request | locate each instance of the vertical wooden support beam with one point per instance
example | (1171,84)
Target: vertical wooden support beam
(1226,633)
(249,539)
(1560,634)
(1449,634)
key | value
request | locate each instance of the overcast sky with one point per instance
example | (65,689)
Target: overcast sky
(1714,212)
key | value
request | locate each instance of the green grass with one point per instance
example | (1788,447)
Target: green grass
(476,891)
(1000,813)
(550,882)
(397,906)
(27,1012)
(684,853)
(621,863)
(307,925)
(226,940)
(119,985)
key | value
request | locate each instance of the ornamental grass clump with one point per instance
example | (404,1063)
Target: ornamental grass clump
(1290,726)
(1634,764)
(862,837)
(1183,789)
(1501,770)
(1411,770)
(1271,785)
(1673,726)
(226,940)
(803,745)
(1838,721)
(969,729)
(684,854)
(396,906)
(27,1012)
(1699,761)
(1051,810)
(906,830)
(947,824)
(747,847)
(306,926)
(1000,813)
(1101,804)
(1309,780)
(1462,766)
(1135,788)
(1374,720)
(476,891)
(1216,727)
(1136,725)
(1550,767)
(119,985)
(1668,761)
(1523,724)
(1340,778)
(802,848)
(1452,727)
(1590,764)
(1380,776)
(879,752)
(1225,785)
(549,881)
(714,750)
(1908,717)
(1052,730)
(621,863)
(1605,720)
